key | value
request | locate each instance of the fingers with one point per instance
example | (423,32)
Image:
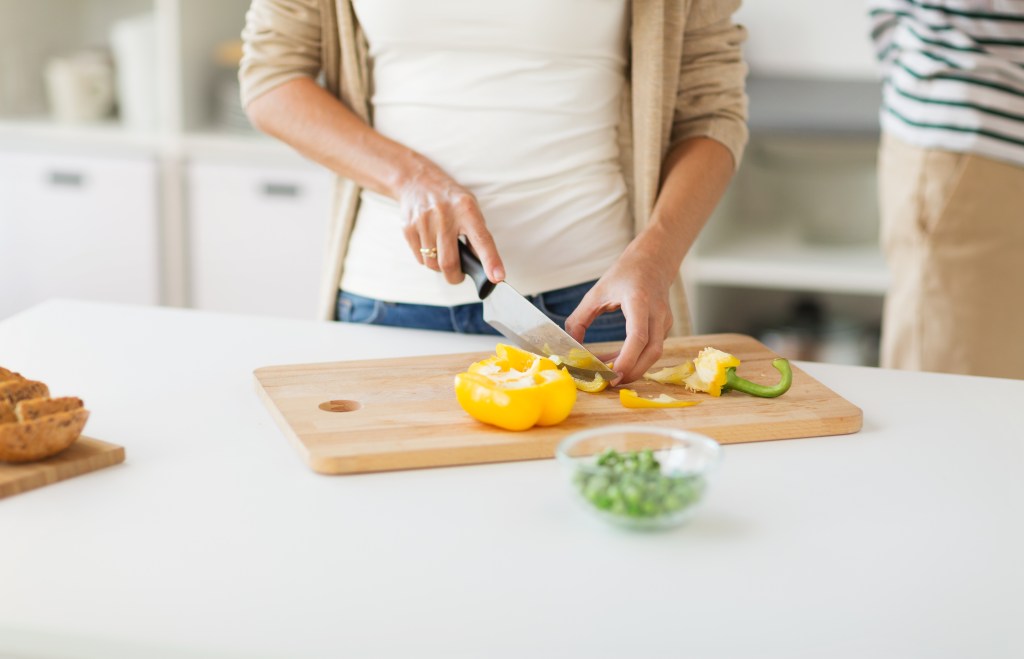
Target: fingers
(448,255)
(425,223)
(412,238)
(646,329)
(436,224)
(637,335)
(580,319)
(430,236)
(639,351)
(650,354)
(475,230)
(419,235)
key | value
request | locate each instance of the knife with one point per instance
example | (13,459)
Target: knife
(515,317)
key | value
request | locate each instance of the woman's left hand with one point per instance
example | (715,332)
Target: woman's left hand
(638,283)
(696,173)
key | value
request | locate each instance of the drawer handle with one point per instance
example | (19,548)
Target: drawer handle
(280,190)
(66,179)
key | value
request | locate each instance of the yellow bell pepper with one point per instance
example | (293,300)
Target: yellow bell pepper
(714,372)
(629,398)
(578,358)
(516,390)
(709,371)
(594,386)
(671,374)
(705,374)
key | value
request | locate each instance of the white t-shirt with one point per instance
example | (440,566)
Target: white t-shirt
(517,101)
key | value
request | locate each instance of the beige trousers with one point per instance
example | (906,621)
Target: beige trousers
(953,236)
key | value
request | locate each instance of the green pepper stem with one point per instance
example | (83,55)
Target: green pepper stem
(733,381)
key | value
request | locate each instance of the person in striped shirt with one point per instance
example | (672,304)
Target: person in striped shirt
(951,183)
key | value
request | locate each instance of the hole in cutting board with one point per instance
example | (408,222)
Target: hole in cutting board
(340,405)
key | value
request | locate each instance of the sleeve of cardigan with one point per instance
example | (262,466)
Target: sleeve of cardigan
(280,42)
(712,99)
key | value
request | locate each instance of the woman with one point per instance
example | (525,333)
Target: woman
(578,145)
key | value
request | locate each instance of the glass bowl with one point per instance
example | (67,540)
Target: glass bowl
(641,477)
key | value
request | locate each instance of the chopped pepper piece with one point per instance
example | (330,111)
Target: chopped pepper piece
(709,371)
(591,386)
(714,372)
(671,374)
(735,382)
(516,390)
(629,398)
(576,357)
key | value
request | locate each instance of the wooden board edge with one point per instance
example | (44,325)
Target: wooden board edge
(336,465)
(345,465)
(111,455)
(837,427)
(278,416)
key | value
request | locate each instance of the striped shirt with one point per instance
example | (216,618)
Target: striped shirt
(953,74)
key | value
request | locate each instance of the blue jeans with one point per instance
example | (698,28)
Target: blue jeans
(469,319)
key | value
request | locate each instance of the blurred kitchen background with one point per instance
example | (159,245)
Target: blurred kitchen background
(129,173)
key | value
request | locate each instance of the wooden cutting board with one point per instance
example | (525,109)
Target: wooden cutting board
(85,455)
(383,414)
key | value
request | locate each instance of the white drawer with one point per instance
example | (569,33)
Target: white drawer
(257,238)
(77,227)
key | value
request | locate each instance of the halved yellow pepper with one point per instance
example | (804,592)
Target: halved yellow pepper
(516,390)
(629,398)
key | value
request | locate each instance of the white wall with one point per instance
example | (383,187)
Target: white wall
(827,38)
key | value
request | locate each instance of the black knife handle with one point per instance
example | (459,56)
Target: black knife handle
(472,266)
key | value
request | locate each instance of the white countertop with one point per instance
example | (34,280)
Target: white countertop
(215,539)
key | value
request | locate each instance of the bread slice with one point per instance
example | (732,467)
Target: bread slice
(29,410)
(6,375)
(41,437)
(17,390)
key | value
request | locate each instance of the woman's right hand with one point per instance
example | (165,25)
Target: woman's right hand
(436,211)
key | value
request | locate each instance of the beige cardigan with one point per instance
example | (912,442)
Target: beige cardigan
(686,79)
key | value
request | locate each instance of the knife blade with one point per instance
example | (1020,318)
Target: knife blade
(526,326)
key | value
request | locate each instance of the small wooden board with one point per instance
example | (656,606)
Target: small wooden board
(383,414)
(85,455)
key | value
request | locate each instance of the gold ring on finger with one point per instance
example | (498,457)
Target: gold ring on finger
(428,252)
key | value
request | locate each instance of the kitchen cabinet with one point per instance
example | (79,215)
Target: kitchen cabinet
(257,237)
(179,50)
(188,110)
(77,227)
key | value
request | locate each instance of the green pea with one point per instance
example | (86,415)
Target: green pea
(631,484)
